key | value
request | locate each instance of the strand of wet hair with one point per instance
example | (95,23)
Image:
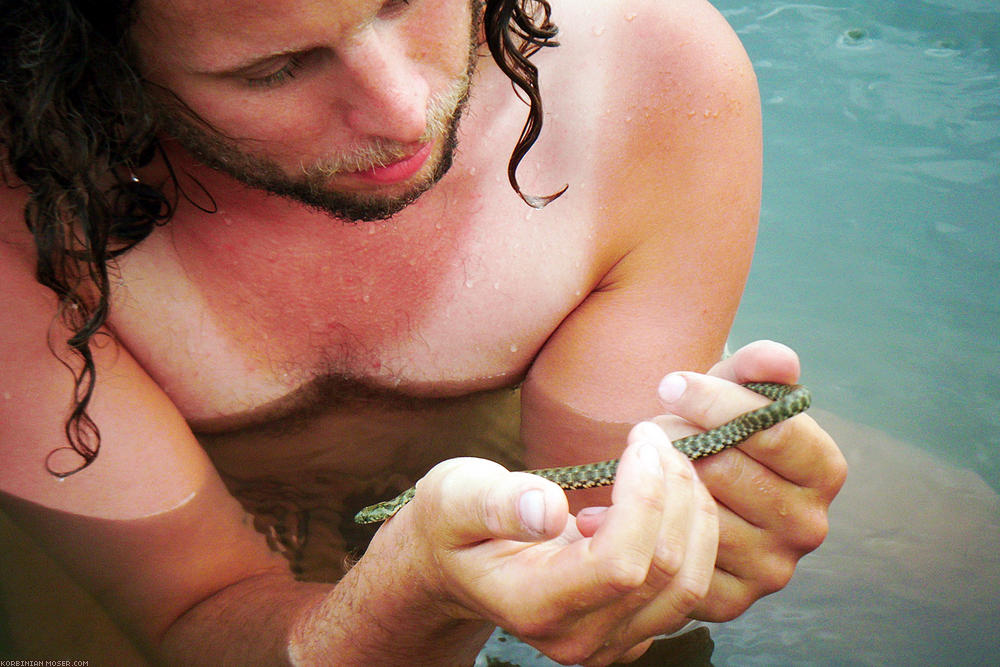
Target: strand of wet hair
(504,23)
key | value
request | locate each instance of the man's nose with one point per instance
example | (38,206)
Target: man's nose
(387,96)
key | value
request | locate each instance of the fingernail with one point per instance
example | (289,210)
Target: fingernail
(531,506)
(672,387)
(591,511)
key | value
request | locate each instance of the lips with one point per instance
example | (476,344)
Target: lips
(397,172)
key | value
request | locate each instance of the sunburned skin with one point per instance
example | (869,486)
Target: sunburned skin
(278,362)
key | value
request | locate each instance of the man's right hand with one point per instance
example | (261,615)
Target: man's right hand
(489,545)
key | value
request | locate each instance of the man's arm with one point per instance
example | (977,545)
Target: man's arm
(681,181)
(684,196)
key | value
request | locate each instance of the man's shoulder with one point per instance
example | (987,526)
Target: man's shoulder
(681,42)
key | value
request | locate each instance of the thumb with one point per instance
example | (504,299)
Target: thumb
(469,500)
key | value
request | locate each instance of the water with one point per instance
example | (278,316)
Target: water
(879,261)
(879,252)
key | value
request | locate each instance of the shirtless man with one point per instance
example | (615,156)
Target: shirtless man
(260,349)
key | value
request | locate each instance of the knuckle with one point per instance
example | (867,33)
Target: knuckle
(776,576)
(773,440)
(443,479)
(624,572)
(704,401)
(681,473)
(838,472)
(806,528)
(535,627)
(668,558)
(732,606)
(688,594)
(814,532)
(652,501)
(572,656)
(579,648)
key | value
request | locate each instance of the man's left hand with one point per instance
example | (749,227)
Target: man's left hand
(773,491)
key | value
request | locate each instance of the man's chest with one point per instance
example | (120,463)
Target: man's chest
(227,323)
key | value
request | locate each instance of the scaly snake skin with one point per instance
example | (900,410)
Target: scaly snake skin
(789,400)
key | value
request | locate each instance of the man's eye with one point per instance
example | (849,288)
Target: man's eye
(392,8)
(283,75)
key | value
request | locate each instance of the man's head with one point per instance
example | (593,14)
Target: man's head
(348,107)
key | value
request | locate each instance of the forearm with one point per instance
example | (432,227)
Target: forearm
(382,616)
(364,619)
(250,622)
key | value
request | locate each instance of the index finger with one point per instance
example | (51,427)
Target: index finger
(760,361)
(797,449)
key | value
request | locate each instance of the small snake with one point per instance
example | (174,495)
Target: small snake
(789,400)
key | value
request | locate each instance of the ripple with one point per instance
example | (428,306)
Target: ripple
(855,38)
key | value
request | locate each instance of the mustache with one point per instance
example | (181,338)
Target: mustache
(378,152)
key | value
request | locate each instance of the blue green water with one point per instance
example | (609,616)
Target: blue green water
(879,251)
(878,260)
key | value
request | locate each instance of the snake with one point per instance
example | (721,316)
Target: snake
(788,400)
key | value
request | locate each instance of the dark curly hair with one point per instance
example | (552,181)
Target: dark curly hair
(76,121)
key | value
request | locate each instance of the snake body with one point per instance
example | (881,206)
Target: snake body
(788,401)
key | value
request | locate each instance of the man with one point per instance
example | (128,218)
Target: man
(253,344)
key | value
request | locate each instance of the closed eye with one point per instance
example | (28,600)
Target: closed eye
(282,75)
(393,8)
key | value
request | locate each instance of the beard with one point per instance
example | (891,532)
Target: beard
(310,186)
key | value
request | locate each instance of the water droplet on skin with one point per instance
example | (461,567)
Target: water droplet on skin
(468,283)
(513,347)
(496,285)
(366,298)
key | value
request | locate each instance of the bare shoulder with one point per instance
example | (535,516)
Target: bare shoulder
(656,37)
(670,91)
(148,455)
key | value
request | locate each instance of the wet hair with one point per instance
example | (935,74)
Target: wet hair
(76,121)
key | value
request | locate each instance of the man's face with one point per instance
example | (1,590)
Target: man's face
(351,107)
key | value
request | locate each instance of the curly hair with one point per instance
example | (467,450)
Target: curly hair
(76,121)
